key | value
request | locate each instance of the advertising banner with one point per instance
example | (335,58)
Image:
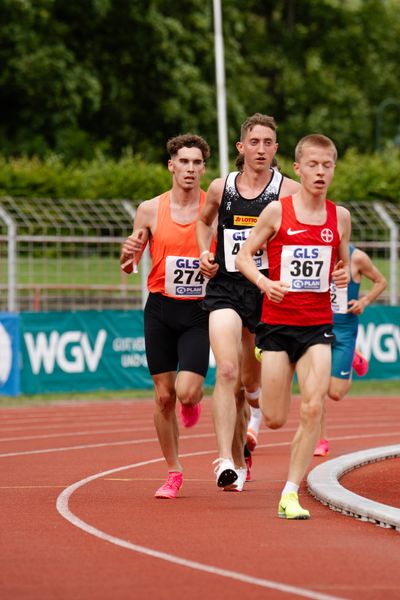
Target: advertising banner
(93,350)
(379,340)
(9,353)
(83,351)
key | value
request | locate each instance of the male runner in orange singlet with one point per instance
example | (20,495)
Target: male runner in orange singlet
(175,326)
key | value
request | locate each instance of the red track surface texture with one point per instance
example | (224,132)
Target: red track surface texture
(79,519)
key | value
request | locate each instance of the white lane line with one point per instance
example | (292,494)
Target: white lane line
(45,436)
(62,505)
(135,428)
(183,437)
(99,445)
(58,425)
(51,416)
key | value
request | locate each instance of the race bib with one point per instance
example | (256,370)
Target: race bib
(306,268)
(338,299)
(233,240)
(183,278)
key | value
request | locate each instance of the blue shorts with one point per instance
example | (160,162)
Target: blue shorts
(343,349)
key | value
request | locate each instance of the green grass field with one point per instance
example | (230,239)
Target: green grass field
(359,388)
(89,270)
(104,270)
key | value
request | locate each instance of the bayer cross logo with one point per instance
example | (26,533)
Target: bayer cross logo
(326,235)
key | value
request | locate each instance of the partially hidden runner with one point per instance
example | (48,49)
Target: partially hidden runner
(347,306)
(234,303)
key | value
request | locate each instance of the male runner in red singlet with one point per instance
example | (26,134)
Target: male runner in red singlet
(307,240)
(235,303)
(175,326)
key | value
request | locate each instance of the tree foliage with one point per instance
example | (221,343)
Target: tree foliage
(99,76)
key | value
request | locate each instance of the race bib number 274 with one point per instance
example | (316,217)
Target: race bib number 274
(183,277)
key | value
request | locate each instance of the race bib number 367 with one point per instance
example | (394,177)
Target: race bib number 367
(306,268)
(183,278)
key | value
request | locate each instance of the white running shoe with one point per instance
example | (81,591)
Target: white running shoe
(240,481)
(225,473)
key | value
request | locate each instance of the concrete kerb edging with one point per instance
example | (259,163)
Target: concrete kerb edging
(323,483)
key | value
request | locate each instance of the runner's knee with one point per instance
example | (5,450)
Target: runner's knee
(227,372)
(311,412)
(189,396)
(165,401)
(274,420)
(335,395)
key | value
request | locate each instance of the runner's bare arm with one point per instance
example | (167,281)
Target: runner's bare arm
(133,247)
(341,272)
(363,266)
(267,225)
(205,227)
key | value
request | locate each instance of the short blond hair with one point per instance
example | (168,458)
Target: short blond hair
(314,139)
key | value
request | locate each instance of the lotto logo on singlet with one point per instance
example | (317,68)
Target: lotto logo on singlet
(242,220)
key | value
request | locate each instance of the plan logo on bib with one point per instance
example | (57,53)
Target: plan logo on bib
(6,355)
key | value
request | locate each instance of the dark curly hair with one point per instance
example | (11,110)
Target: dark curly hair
(188,140)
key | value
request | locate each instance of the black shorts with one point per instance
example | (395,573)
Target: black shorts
(176,335)
(292,339)
(243,297)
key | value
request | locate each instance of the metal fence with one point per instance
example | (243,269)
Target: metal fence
(64,254)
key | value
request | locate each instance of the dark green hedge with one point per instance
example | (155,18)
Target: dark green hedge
(358,177)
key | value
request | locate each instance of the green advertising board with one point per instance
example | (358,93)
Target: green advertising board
(379,340)
(83,351)
(93,350)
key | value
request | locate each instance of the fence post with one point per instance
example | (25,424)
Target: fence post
(394,237)
(11,259)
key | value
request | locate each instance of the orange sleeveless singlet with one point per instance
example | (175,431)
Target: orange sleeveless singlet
(175,255)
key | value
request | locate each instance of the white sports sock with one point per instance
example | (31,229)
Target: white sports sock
(255,419)
(290,487)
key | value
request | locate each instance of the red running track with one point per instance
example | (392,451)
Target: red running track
(98,465)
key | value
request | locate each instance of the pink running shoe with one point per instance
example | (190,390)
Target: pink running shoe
(249,461)
(171,487)
(322,448)
(360,364)
(190,414)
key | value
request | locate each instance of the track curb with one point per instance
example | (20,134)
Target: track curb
(323,484)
